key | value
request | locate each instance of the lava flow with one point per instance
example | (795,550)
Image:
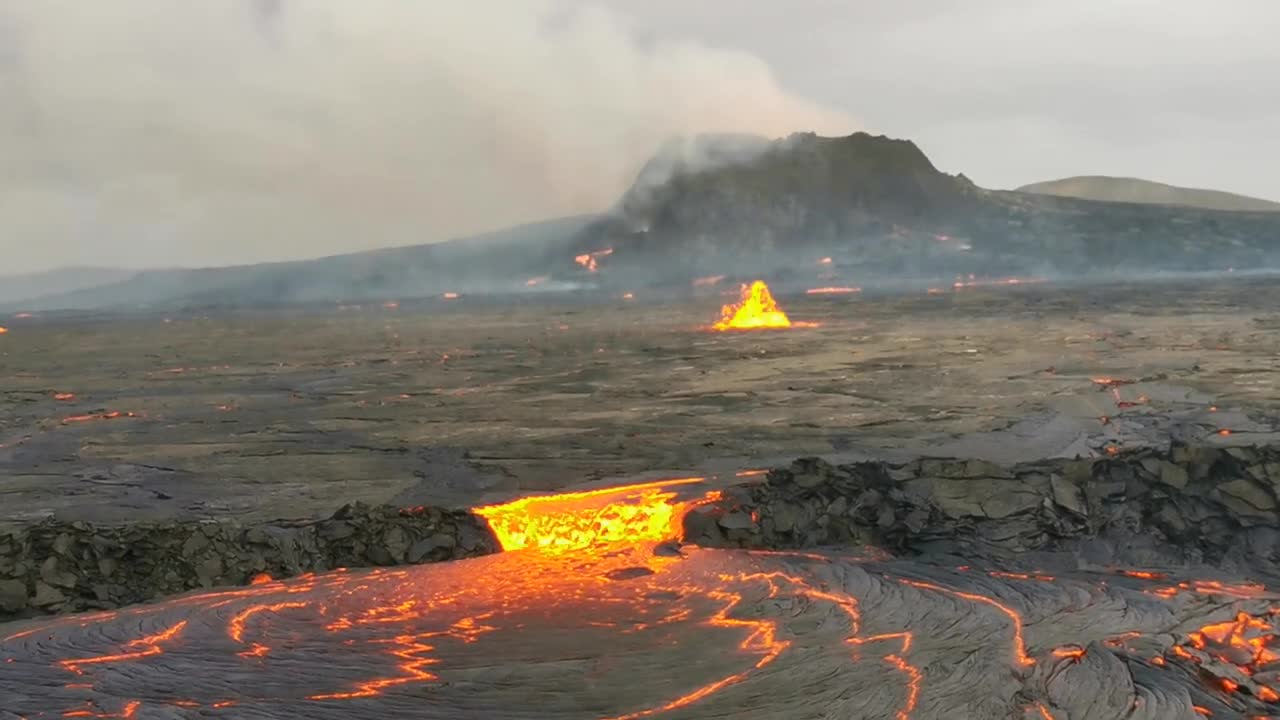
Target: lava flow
(833,290)
(110,415)
(593,605)
(756,309)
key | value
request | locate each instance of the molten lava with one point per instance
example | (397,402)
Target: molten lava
(3,329)
(972,282)
(588,260)
(580,520)
(589,589)
(833,291)
(112,415)
(754,310)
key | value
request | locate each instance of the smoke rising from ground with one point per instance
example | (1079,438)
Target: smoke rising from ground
(153,133)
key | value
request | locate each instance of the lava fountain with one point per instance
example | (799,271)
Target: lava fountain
(755,310)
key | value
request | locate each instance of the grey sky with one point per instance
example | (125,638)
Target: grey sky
(154,133)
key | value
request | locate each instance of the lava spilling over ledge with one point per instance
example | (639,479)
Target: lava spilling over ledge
(595,611)
(581,520)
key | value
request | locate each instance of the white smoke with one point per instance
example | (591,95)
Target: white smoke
(154,132)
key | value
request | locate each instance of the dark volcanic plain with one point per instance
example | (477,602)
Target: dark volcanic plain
(271,414)
(988,587)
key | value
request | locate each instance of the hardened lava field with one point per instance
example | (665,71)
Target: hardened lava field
(273,413)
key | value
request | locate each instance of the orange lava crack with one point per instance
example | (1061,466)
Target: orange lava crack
(1019,645)
(762,638)
(147,647)
(235,628)
(410,649)
(898,660)
(129,711)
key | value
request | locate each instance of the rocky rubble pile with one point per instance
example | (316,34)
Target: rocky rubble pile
(69,566)
(1180,505)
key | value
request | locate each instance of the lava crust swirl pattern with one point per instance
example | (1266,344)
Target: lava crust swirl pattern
(629,629)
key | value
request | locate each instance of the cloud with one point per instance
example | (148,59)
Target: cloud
(151,132)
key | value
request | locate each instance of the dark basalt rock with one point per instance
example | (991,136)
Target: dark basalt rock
(70,566)
(1175,506)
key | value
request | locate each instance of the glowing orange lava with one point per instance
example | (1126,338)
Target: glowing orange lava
(1072,652)
(112,415)
(589,563)
(3,330)
(973,282)
(579,520)
(588,260)
(1019,645)
(825,261)
(451,296)
(1239,591)
(1143,574)
(64,396)
(140,648)
(755,309)
(1246,633)
(1041,577)
(833,291)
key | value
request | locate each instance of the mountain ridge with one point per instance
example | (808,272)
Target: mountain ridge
(879,206)
(874,208)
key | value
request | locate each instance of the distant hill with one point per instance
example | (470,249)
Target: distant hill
(489,261)
(51,282)
(1133,190)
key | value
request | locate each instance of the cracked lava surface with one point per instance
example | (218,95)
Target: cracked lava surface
(593,612)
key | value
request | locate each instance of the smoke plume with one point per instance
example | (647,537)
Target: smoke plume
(153,132)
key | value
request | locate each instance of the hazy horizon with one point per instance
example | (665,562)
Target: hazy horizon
(147,134)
